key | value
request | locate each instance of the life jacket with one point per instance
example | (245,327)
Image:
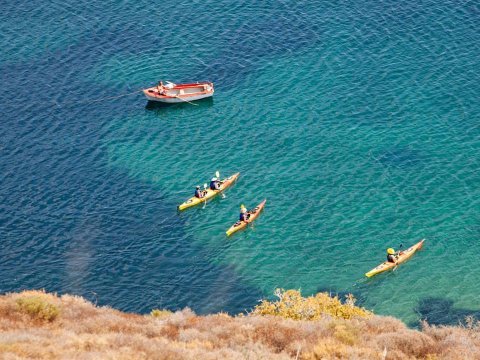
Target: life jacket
(391,258)
(243,216)
(214,185)
(198,193)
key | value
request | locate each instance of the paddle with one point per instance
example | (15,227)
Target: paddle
(217,175)
(204,193)
(396,265)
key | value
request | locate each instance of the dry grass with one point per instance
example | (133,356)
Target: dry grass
(36,325)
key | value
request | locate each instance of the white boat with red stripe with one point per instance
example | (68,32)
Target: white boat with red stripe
(177,93)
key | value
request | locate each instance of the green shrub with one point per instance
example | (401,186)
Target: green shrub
(37,308)
(157,313)
(292,305)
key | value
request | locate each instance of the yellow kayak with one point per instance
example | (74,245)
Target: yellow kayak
(402,257)
(209,193)
(242,224)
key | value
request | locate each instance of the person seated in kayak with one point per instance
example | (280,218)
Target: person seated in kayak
(392,256)
(215,184)
(244,214)
(199,193)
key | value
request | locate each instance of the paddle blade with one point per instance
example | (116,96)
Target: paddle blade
(217,174)
(205,186)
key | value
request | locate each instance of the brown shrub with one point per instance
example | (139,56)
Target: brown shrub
(462,342)
(383,324)
(170,331)
(84,331)
(409,342)
(345,332)
(275,335)
(327,349)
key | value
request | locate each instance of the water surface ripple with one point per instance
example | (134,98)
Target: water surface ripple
(358,121)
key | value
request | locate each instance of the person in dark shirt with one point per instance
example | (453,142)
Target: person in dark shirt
(392,256)
(215,184)
(244,215)
(199,193)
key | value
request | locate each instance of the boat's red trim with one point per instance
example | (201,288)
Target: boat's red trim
(183,86)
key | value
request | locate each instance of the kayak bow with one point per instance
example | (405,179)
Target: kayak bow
(193,201)
(402,257)
(243,224)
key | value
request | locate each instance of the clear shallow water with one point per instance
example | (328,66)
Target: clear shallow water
(357,121)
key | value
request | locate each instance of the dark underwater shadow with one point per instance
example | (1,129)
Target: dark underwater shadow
(400,158)
(158,106)
(440,311)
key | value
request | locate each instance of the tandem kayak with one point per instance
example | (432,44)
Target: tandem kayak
(242,224)
(402,257)
(209,193)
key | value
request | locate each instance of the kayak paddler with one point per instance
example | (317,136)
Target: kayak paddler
(392,256)
(199,193)
(215,184)
(244,215)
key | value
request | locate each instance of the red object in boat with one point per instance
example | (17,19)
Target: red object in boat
(177,93)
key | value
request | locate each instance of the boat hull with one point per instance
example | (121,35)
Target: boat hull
(243,224)
(404,256)
(194,201)
(179,93)
(175,100)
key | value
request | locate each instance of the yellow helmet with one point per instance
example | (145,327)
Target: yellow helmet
(390,251)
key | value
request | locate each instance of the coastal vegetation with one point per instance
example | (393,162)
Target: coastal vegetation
(292,305)
(35,324)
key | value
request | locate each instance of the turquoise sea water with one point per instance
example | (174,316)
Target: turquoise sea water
(358,121)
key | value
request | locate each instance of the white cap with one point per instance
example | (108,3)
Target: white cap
(214,179)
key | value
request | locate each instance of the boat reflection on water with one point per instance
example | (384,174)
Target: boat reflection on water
(155,105)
